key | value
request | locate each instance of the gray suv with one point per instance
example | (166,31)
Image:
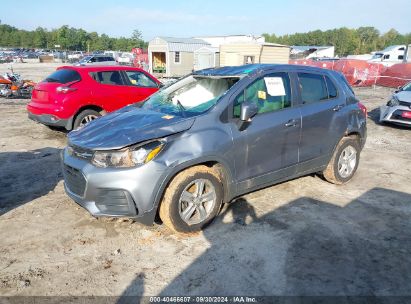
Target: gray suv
(212,136)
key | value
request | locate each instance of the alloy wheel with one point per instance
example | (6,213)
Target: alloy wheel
(197,201)
(347,161)
(87,119)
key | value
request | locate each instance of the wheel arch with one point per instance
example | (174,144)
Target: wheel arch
(218,164)
(359,134)
(86,107)
(356,134)
(330,173)
(347,133)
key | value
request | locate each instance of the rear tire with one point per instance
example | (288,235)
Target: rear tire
(192,200)
(344,162)
(84,118)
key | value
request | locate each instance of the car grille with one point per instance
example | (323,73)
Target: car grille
(75,180)
(405,104)
(81,152)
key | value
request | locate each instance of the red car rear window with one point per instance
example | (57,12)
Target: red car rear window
(63,76)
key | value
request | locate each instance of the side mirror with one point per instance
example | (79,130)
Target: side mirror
(160,85)
(248,111)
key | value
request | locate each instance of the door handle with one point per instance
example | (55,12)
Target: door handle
(291,123)
(337,108)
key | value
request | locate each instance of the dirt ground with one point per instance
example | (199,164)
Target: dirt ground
(302,237)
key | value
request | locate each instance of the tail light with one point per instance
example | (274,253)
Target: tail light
(14,88)
(363,108)
(65,89)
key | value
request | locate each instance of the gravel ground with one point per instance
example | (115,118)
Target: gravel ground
(302,237)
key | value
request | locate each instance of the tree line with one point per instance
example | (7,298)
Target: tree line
(67,38)
(346,41)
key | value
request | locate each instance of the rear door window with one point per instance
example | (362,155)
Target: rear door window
(63,76)
(140,79)
(313,87)
(108,77)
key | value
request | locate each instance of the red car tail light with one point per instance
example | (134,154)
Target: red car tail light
(363,108)
(64,89)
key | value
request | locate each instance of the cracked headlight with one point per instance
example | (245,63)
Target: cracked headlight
(393,102)
(128,157)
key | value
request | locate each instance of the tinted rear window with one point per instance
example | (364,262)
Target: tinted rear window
(63,76)
(313,87)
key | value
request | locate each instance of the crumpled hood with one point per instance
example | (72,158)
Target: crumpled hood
(127,126)
(404,96)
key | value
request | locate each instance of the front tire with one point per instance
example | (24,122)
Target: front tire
(344,162)
(84,118)
(192,199)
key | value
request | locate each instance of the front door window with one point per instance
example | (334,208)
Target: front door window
(270,93)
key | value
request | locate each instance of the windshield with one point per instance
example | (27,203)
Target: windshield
(407,87)
(377,55)
(85,59)
(190,96)
(390,48)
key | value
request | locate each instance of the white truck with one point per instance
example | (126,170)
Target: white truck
(126,58)
(394,54)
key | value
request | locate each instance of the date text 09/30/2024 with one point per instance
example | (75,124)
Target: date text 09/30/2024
(182,299)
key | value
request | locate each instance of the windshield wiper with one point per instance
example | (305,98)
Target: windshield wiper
(182,108)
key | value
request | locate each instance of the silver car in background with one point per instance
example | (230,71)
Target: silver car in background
(398,109)
(96,60)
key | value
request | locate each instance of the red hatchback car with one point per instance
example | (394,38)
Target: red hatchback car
(72,96)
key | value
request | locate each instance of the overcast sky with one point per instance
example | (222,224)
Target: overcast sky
(180,18)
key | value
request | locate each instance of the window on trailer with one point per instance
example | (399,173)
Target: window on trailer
(249,59)
(177,57)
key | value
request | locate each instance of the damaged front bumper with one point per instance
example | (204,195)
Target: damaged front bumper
(113,192)
(398,114)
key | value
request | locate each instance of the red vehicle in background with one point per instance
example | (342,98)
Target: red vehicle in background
(73,96)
